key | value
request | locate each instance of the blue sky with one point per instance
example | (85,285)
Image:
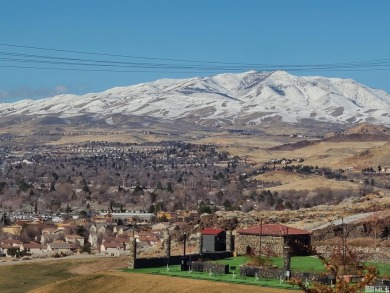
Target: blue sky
(276,32)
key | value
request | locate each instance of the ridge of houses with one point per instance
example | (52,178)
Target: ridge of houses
(104,234)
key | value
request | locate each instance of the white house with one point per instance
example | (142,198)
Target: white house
(59,247)
(74,239)
(112,249)
(93,240)
(33,248)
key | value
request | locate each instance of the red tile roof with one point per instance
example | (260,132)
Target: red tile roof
(113,245)
(212,231)
(273,230)
(5,246)
(119,240)
(60,245)
(12,242)
(32,245)
(73,236)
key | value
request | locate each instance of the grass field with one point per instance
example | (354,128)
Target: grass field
(25,277)
(304,264)
(174,271)
(384,268)
(64,276)
(91,275)
(298,263)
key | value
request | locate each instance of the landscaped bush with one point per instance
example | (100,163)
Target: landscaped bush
(258,261)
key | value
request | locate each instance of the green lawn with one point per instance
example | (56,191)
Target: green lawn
(384,268)
(298,263)
(302,264)
(174,271)
(234,261)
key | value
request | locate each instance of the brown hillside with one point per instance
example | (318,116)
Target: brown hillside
(366,129)
(314,183)
(293,146)
(281,176)
(379,155)
(357,137)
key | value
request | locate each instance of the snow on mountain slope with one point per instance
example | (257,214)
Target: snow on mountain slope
(248,97)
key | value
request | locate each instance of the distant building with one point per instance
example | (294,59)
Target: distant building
(9,243)
(59,247)
(143,217)
(112,248)
(93,240)
(166,215)
(33,248)
(213,240)
(13,229)
(75,239)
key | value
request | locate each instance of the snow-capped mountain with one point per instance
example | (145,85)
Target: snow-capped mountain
(249,97)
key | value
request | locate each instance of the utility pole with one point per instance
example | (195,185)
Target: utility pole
(261,232)
(184,243)
(287,256)
(343,243)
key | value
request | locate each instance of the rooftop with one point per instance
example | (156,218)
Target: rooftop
(212,231)
(273,230)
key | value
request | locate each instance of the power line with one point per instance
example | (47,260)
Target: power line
(168,72)
(116,55)
(89,64)
(96,70)
(368,62)
(181,71)
(92,62)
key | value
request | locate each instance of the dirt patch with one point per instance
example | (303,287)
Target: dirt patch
(358,138)
(281,176)
(133,282)
(293,146)
(100,266)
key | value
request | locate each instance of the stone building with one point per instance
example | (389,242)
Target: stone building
(270,239)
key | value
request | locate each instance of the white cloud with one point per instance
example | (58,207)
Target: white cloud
(61,89)
(31,93)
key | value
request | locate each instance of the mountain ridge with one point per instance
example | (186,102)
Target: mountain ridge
(248,98)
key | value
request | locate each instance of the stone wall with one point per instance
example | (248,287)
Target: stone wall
(371,228)
(272,245)
(167,244)
(268,244)
(154,262)
(374,254)
(229,241)
(133,253)
(276,273)
(210,267)
(199,242)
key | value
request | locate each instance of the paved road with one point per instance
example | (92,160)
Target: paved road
(8,261)
(346,220)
